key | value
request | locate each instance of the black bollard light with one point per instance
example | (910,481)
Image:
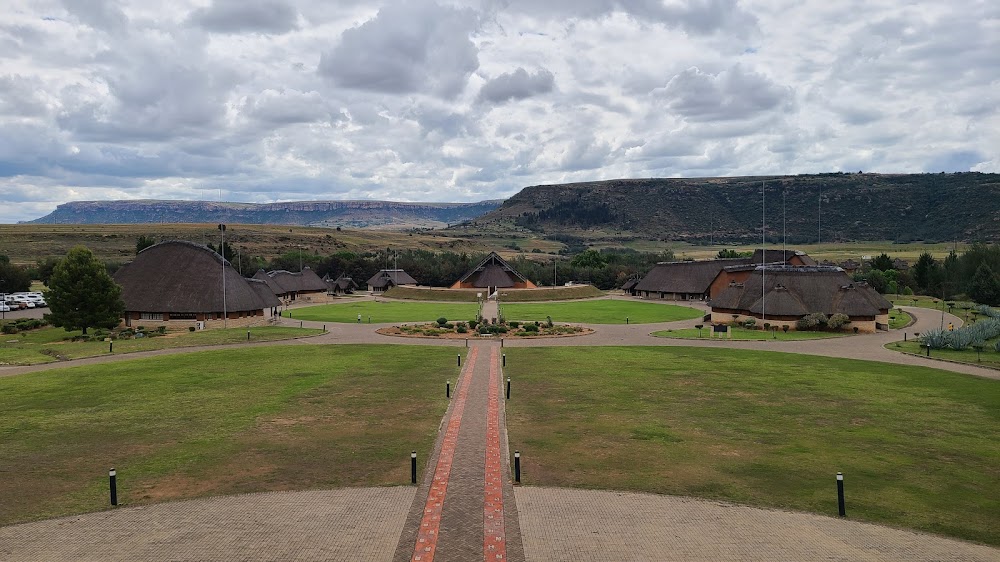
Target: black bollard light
(114,486)
(413,467)
(459,359)
(503,359)
(517,466)
(447,389)
(466,342)
(300,323)
(626,320)
(508,388)
(248,335)
(324,327)
(111,347)
(840,494)
(904,336)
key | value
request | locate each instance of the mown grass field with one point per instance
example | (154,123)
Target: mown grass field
(604,311)
(384,311)
(217,422)
(742,334)
(46,345)
(509,295)
(920,448)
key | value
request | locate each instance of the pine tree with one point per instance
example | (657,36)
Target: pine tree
(985,287)
(82,295)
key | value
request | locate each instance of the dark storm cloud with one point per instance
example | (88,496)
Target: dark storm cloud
(409,47)
(516,85)
(243,16)
(729,95)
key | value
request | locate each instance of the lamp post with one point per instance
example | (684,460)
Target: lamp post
(222,251)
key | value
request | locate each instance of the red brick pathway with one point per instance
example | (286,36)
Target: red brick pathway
(430,524)
(466,511)
(494,545)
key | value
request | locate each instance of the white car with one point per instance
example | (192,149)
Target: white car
(4,307)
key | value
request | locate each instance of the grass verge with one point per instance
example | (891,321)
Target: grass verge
(988,357)
(217,422)
(918,447)
(602,311)
(742,334)
(378,312)
(46,345)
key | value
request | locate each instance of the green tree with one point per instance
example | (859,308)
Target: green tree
(589,258)
(882,262)
(13,278)
(45,268)
(985,287)
(727,253)
(923,270)
(143,242)
(82,295)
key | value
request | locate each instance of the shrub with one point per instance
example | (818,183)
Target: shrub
(448,326)
(461,329)
(838,321)
(812,321)
(460,324)
(514,324)
(9,329)
(531,328)
(484,329)
(161,330)
(750,323)
(784,328)
(548,321)
(442,321)
(140,329)
(907,291)
(767,326)
(473,324)
(190,328)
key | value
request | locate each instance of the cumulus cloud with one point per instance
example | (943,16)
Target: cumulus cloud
(457,100)
(242,16)
(516,85)
(410,46)
(734,93)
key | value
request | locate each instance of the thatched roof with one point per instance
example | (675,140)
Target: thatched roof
(388,277)
(184,277)
(284,282)
(629,284)
(265,293)
(801,290)
(343,282)
(691,277)
(780,256)
(492,271)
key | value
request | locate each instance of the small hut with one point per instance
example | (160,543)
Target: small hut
(386,279)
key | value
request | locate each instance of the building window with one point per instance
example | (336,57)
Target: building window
(183,316)
(151,316)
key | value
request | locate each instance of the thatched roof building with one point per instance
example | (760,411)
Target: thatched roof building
(388,278)
(789,257)
(493,273)
(288,285)
(342,285)
(780,295)
(180,282)
(682,280)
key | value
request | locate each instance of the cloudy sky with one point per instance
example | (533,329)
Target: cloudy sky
(453,100)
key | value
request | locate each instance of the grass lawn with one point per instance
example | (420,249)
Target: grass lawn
(217,422)
(989,357)
(919,448)
(512,295)
(742,334)
(385,311)
(600,312)
(46,345)
(898,319)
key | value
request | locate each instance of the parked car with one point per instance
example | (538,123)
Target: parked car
(4,307)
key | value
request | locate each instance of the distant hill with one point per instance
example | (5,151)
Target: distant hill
(829,207)
(356,214)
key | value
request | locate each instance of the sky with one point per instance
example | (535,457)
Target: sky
(457,101)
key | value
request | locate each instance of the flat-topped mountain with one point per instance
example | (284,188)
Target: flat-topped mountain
(357,214)
(825,207)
